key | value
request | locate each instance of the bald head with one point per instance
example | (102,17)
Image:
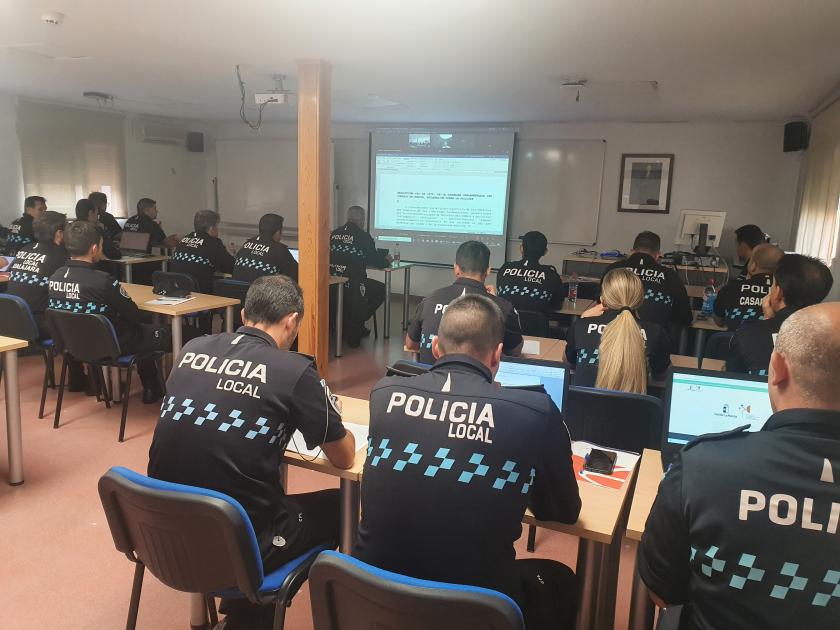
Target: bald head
(356,214)
(804,368)
(765,258)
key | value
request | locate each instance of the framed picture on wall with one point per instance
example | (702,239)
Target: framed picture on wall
(645,184)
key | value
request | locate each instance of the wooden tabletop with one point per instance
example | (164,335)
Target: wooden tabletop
(683,361)
(577,308)
(695,290)
(128,259)
(338,280)
(706,324)
(10,343)
(142,293)
(547,345)
(647,485)
(598,517)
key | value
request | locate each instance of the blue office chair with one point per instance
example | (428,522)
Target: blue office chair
(196,541)
(17,320)
(533,323)
(347,594)
(718,346)
(91,338)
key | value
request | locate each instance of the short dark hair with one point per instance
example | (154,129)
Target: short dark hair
(80,236)
(534,245)
(750,234)
(145,203)
(98,198)
(473,257)
(47,225)
(271,298)
(647,241)
(471,324)
(83,209)
(804,281)
(270,224)
(34,200)
(205,220)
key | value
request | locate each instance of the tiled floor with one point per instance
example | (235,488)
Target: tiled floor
(58,565)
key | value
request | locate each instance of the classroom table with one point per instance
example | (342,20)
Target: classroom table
(8,348)
(340,281)
(142,294)
(390,269)
(575,309)
(701,326)
(647,484)
(546,348)
(695,290)
(597,266)
(127,263)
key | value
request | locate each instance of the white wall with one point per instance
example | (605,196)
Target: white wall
(11,177)
(736,167)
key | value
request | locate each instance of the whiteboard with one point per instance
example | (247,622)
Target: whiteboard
(556,189)
(256,177)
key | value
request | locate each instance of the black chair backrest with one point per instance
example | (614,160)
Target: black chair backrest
(406,368)
(16,318)
(87,337)
(191,539)
(719,346)
(533,323)
(227,287)
(174,284)
(629,422)
(347,594)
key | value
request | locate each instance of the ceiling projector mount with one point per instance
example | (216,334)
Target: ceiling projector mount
(278,95)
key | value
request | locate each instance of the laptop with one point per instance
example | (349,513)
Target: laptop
(135,244)
(701,401)
(295,252)
(551,377)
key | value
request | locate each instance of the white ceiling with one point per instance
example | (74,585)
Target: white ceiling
(441,60)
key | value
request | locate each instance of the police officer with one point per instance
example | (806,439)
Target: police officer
(472,264)
(454,460)
(744,530)
(86,211)
(233,403)
(352,251)
(740,300)
(20,232)
(799,281)
(265,255)
(105,218)
(81,288)
(666,300)
(201,253)
(528,284)
(622,295)
(145,222)
(747,238)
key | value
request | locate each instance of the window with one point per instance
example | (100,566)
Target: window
(68,153)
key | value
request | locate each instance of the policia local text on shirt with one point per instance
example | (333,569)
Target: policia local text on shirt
(233,402)
(745,530)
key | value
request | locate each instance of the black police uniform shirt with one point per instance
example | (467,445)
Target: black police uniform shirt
(261,256)
(666,300)
(201,255)
(144,224)
(21,234)
(530,286)
(351,251)
(745,527)
(754,342)
(30,273)
(453,460)
(233,402)
(109,224)
(79,287)
(424,325)
(740,300)
(584,338)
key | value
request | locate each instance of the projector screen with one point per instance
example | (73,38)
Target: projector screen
(435,189)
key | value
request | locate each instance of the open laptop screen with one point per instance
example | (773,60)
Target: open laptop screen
(295,254)
(703,402)
(135,242)
(552,375)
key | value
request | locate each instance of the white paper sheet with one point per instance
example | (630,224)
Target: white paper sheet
(169,301)
(298,445)
(531,346)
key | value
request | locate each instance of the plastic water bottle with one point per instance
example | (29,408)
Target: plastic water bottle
(396,257)
(573,288)
(709,297)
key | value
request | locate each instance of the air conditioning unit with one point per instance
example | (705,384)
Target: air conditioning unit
(158,133)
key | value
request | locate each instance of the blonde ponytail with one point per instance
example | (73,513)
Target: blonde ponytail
(622,362)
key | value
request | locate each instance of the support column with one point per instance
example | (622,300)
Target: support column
(314,81)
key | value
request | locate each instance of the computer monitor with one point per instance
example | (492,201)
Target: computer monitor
(701,401)
(295,252)
(134,243)
(552,376)
(688,228)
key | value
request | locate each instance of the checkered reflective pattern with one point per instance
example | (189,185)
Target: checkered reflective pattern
(78,306)
(346,249)
(738,313)
(535,293)
(182,256)
(584,356)
(658,297)
(211,418)
(25,277)
(257,265)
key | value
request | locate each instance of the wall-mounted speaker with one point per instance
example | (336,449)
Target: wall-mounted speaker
(195,142)
(797,135)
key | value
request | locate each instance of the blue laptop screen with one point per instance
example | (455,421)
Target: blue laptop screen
(295,254)
(703,404)
(552,378)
